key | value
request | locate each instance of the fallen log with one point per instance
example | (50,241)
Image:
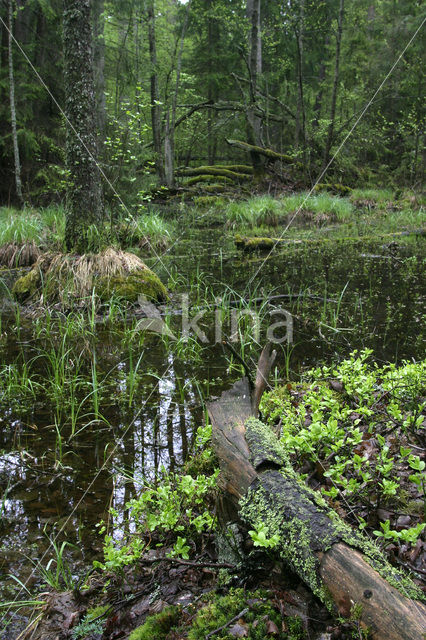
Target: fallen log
(340,565)
(234,173)
(269,154)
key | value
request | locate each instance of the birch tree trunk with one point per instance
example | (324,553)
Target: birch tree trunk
(321,77)
(99,62)
(330,133)
(300,110)
(254,122)
(17,161)
(169,150)
(155,92)
(85,206)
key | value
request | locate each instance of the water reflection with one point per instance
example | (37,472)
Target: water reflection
(50,481)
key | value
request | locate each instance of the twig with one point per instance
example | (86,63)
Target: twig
(234,619)
(188,563)
(238,357)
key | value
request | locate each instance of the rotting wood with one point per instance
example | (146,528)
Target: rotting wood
(260,484)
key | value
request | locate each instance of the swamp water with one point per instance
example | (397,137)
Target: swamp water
(91,405)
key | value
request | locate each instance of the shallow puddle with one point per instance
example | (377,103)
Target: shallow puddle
(84,408)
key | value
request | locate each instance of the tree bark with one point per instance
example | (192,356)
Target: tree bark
(99,63)
(329,140)
(254,122)
(169,144)
(300,112)
(17,161)
(318,99)
(257,478)
(155,92)
(85,206)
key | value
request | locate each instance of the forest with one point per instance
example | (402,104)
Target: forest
(212,372)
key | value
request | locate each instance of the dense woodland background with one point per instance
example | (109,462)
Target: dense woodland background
(174,81)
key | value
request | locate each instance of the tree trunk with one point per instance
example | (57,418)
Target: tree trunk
(300,111)
(318,99)
(99,63)
(17,160)
(260,485)
(329,140)
(254,122)
(155,93)
(171,125)
(168,154)
(85,206)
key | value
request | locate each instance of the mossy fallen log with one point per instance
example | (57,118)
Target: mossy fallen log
(334,187)
(270,154)
(207,178)
(216,171)
(340,565)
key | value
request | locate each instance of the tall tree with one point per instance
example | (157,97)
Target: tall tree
(255,69)
(155,91)
(330,133)
(85,205)
(99,62)
(16,157)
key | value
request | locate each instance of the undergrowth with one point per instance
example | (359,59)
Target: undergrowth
(356,425)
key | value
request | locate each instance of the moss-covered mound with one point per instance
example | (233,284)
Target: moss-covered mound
(256,243)
(111,273)
(130,286)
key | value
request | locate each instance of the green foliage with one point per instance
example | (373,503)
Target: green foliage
(176,506)
(43,226)
(93,623)
(268,211)
(261,538)
(57,573)
(257,611)
(347,431)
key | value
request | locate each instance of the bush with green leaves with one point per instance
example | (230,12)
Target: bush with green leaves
(354,424)
(174,510)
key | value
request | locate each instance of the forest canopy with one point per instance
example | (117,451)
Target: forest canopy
(174,81)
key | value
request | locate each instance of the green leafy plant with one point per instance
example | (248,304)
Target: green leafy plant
(261,538)
(347,427)
(174,507)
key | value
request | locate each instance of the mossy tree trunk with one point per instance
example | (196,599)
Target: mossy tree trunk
(85,205)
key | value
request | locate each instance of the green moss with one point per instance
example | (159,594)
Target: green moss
(207,178)
(257,608)
(334,187)
(263,444)
(130,286)
(97,612)
(254,243)
(240,168)
(158,626)
(209,201)
(27,285)
(215,171)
